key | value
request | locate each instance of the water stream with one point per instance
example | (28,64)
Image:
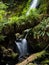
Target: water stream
(33,5)
(22,47)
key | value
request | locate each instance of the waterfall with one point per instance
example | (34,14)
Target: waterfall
(22,46)
(33,5)
(19,45)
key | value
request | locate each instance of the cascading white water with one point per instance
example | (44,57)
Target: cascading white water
(19,45)
(22,47)
(33,5)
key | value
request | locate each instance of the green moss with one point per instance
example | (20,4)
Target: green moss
(14,55)
(45,61)
(32,64)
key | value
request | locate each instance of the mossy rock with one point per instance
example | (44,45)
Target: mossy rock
(32,64)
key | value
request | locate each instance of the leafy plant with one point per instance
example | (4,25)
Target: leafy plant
(40,30)
(2,37)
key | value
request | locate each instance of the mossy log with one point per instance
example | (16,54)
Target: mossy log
(32,58)
(35,56)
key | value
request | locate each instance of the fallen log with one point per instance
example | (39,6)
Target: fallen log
(32,58)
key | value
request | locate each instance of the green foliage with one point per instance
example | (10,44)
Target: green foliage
(14,11)
(3,6)
(3,12)
(2,15)
(40,30)
(46,61)
(43,6)
(2,37)
(34,14)
(26,8)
